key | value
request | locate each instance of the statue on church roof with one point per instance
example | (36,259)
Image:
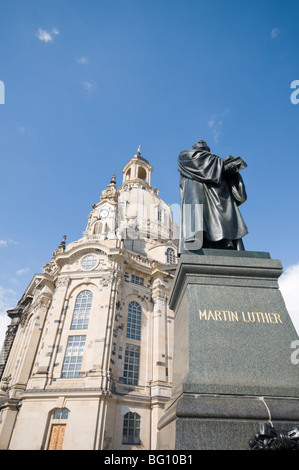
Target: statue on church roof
(211,190)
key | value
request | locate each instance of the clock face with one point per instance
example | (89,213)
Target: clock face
(104,213)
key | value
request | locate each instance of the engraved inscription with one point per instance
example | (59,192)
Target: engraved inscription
(234,316)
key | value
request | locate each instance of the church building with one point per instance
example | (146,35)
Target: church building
(87,359)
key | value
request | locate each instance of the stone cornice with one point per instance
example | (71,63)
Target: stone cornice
(87,246)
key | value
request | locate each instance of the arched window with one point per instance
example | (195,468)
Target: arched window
(170,256)
(61,413)
(134,321)
(82,310)
(141,173)
(131,428)
(97,228)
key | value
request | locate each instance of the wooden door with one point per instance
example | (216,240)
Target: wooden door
(57,435)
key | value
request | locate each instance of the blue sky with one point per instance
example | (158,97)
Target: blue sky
(87,82)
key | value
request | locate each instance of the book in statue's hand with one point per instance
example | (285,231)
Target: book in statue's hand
(234,163)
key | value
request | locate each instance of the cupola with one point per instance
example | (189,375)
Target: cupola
(137,170)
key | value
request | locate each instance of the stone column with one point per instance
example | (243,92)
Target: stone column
(159,350)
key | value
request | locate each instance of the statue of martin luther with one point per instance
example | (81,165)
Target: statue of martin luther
(211,190)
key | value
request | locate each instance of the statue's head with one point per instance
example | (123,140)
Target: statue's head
(201,144)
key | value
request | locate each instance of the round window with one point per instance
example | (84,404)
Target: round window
(89,262)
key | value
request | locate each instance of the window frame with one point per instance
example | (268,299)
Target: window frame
(131,367)
(131,429)
(137,280)
(159,214)
(73,372)
(60,414)
(91,266)
(80,318)
(170,256)
(134,321)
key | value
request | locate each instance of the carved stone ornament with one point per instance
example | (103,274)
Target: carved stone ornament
(62,283)
(50,267)
(5,386)
(24,318)
(110,192)
(159,299)
(43,302)
(5,383)
(11,331)
(270,438)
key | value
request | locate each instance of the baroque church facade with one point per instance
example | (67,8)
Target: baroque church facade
(87,359)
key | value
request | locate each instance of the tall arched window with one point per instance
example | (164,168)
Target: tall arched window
(141,173)
(170,256)
(134,321)
(131,428)
(97,228)
(82,310)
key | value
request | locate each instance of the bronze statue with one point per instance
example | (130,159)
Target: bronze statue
(211,190)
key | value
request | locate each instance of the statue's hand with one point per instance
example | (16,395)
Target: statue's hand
(230,168)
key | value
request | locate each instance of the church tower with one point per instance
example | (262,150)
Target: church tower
(87,359)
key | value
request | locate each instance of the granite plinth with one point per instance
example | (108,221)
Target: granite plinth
(232,339)
(222,422)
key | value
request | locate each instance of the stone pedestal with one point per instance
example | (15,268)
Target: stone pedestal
(232,352)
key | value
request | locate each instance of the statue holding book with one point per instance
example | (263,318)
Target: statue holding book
(212,190)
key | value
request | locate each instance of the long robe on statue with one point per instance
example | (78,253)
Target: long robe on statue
(203,181)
